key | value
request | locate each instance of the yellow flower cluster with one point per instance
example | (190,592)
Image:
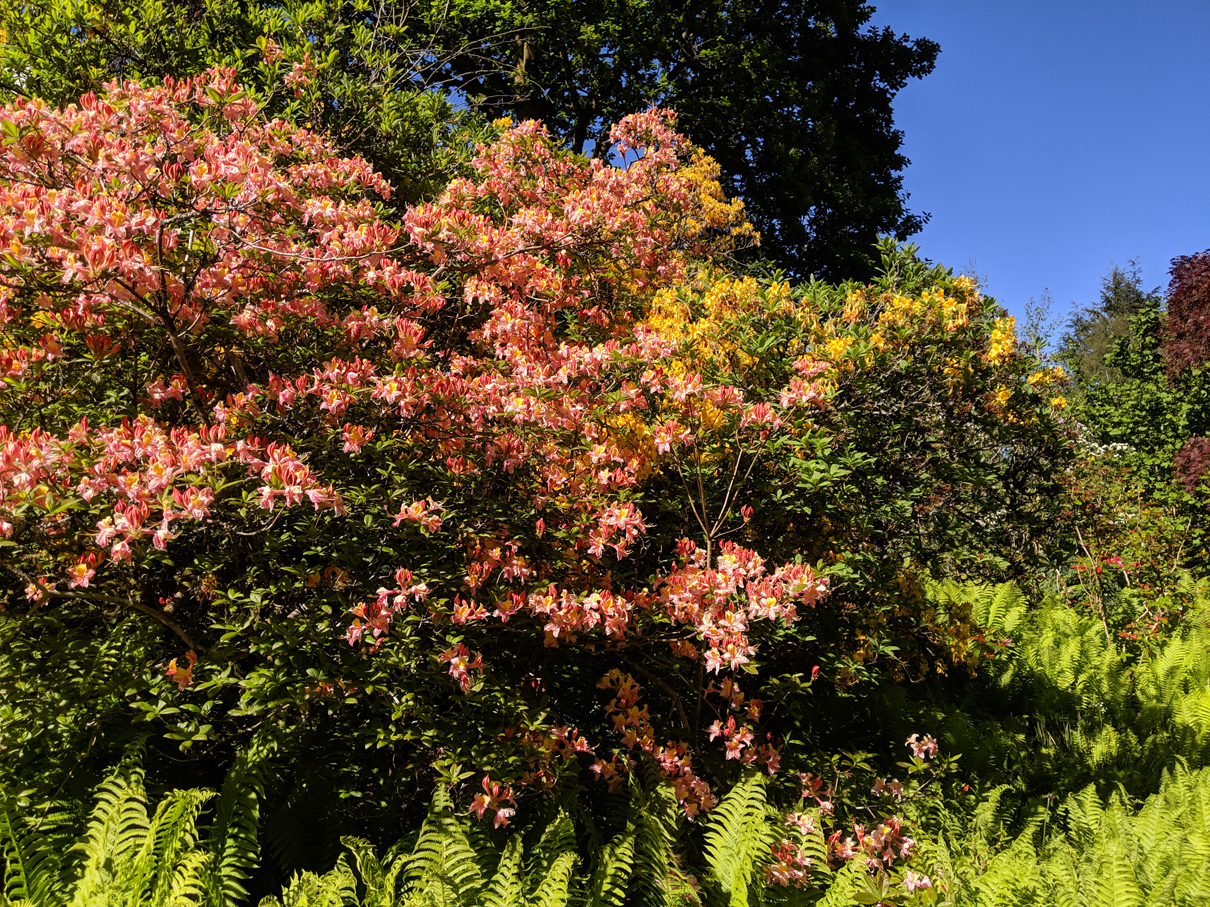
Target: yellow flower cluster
(932,307)
(697,314)
(713,210)
(892,320)
(633,438)
(1003,340)
(854,307)
(837,347)
(1045,377)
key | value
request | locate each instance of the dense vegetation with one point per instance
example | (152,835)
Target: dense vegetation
(401,506)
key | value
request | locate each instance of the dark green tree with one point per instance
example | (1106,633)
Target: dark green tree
(792,98)
(1093,330)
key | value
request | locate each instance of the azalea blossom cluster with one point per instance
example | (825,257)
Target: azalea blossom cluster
(879,846)
(376,616)
(704,596)
(148,478)
(790,865)
(268,340)
(496,797)
(738,736)
(922,747)
(674,759)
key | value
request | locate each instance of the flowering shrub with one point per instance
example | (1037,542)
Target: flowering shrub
(217,349)
(521,486)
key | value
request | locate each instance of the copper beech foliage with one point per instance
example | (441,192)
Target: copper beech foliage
(356,461)
(1187,329)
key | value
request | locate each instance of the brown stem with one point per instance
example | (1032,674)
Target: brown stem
(127,602)
(659,682)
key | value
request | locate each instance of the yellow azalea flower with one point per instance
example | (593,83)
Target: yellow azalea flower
(838,346)
(1003,339)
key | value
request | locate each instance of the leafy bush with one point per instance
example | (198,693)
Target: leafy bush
(564,445)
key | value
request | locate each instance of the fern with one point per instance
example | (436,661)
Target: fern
(234,835)
(607,887)
(32,855)
(443,868)
(1105,855)
(737,840)
(844,885)
(551,866)
(333,889)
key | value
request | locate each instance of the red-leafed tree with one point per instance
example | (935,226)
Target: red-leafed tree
(1187,329)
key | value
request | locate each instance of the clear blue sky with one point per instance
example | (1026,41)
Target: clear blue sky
(1054,138)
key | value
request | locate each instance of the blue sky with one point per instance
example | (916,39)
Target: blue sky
(1054,138)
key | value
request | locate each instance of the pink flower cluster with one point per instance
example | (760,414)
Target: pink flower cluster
(790,864)
(739,736)
(922,747)
(496,797)
(674,759)
(708,598)
(376,616)
(881,845)
(149,477)
(461,664)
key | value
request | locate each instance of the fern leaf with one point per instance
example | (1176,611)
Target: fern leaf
(192,882)
(32,864)
(737,839)
(549,876)
(654,814)
(117,831)
(844,885)
(234,836)
(607,887)
(1116,884)
(507,886)
(173,831)
(444,867)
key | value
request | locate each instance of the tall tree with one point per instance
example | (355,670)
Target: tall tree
(794,99)
(1093,330)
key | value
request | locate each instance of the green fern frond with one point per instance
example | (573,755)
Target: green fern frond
(1083,813)
(507,885)
(655,816)
(33,866)
(844,885)
(444,867)
(552,863)
(607,888)
(234,835)
(1116,884)
(173,832)
(306,889)
(737,840)
(191,882)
